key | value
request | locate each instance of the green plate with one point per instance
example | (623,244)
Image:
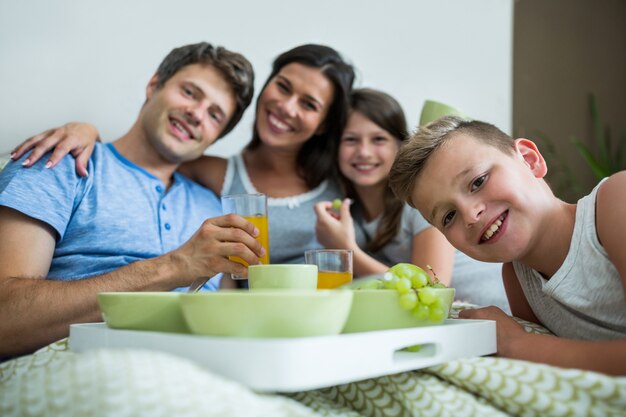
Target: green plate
(380,310)
(267,313)
(156,311)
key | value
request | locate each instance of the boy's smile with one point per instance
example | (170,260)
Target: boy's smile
(483,200)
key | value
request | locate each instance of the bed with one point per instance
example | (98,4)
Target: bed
(57,382)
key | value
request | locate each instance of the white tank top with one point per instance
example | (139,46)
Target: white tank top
(585,297)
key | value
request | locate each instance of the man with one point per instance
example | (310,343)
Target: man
(133,224)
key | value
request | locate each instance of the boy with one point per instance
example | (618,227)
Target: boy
(564,264)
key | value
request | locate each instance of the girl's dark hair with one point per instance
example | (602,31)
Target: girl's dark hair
(386,112)
(316,158)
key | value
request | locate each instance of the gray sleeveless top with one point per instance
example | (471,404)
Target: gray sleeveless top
(291,219)
(584,299)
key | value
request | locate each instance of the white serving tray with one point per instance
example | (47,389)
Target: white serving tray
(300,364)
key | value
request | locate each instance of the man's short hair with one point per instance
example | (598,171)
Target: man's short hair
(234,67)
(422,143)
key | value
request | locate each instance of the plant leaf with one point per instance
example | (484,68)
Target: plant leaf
(619,152)
(598,170)
(600,138)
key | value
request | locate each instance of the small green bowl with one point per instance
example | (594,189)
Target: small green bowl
(155,311)
(380,310)
(267,313)
(282,276)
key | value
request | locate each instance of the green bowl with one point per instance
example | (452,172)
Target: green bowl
(267,313)
(380,310)
(155,311)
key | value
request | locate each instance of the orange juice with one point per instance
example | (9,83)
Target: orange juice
(261,223)
(332,279)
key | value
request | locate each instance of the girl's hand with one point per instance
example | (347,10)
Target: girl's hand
(77,139)
(335,230)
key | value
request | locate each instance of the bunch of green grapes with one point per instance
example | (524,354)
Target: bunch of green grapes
(416,289)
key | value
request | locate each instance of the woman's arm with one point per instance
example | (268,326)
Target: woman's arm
(209,171)
(77,139)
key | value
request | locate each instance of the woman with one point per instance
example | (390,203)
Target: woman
(394,232)
(300,114)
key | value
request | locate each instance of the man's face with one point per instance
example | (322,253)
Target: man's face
(188,113)
(484,201)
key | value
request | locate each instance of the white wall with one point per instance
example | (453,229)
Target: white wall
(63,60)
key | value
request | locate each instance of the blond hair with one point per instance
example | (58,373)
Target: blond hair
(422,143)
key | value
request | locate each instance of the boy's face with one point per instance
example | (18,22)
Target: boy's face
(484,201)
(187,114)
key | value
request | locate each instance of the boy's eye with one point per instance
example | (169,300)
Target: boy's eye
(187,91)
(448,218)
(478,182)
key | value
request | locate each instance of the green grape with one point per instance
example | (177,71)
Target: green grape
(420,312)
(403,285)
(437,313)
(427,295)
(408,301)
(336,204)
(417,292)
(390,281)
(414,348)
(403,270)
(419,278)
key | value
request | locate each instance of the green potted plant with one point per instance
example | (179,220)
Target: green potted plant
(604,156)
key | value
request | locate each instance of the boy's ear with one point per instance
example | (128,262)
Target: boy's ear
(528,151)
(152,86)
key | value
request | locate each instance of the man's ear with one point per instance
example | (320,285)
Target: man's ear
(152,86)
(530,155)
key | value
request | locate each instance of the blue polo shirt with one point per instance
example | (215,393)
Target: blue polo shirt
(119,214)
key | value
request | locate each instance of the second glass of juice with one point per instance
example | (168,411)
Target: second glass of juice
(334,266)
(252,207)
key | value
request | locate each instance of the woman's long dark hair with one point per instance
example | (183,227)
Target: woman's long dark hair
(386,112)
(316,158)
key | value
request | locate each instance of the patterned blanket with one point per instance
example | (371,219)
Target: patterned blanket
(107,382)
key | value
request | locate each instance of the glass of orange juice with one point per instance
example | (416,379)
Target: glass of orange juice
(334,266)
(252,207)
